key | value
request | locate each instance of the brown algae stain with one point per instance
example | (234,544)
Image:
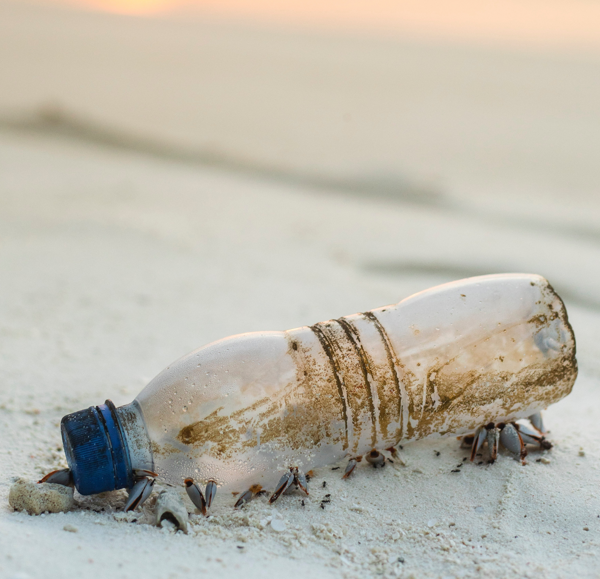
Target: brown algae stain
(330,399)
(290,420)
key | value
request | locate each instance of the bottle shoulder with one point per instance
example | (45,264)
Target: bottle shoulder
(227,374)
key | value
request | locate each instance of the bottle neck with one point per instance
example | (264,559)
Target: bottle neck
(133,426)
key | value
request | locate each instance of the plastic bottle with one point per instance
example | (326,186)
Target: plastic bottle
(243,409)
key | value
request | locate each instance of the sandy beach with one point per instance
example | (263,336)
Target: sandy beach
(168,182)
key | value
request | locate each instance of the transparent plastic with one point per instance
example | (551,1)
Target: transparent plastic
(446,360)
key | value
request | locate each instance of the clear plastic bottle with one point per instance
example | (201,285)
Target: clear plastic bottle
(243,409)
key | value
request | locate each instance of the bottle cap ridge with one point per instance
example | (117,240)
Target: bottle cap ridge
(96,449)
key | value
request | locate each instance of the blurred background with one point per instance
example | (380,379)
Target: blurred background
(174,171)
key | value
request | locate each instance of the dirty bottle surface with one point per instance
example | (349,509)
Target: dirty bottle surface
(242,410)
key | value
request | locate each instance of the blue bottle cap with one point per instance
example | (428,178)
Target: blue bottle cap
(96,449)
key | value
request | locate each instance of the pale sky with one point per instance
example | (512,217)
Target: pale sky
(541,23)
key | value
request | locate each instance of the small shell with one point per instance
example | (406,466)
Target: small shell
(510,439)
(302,482)
(493,437)
(375,458)
(283,485)
(244,498)
(211,491)
(537,422)
(195,494)
(138,494)
(59,477)
(170,507)
(349,468)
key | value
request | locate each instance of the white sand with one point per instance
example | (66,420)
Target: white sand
(114,263)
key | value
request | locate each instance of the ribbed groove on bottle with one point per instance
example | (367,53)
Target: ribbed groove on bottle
(394,363)
(328,349)
(354,338)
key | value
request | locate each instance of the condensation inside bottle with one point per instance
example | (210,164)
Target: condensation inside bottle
(242,410)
